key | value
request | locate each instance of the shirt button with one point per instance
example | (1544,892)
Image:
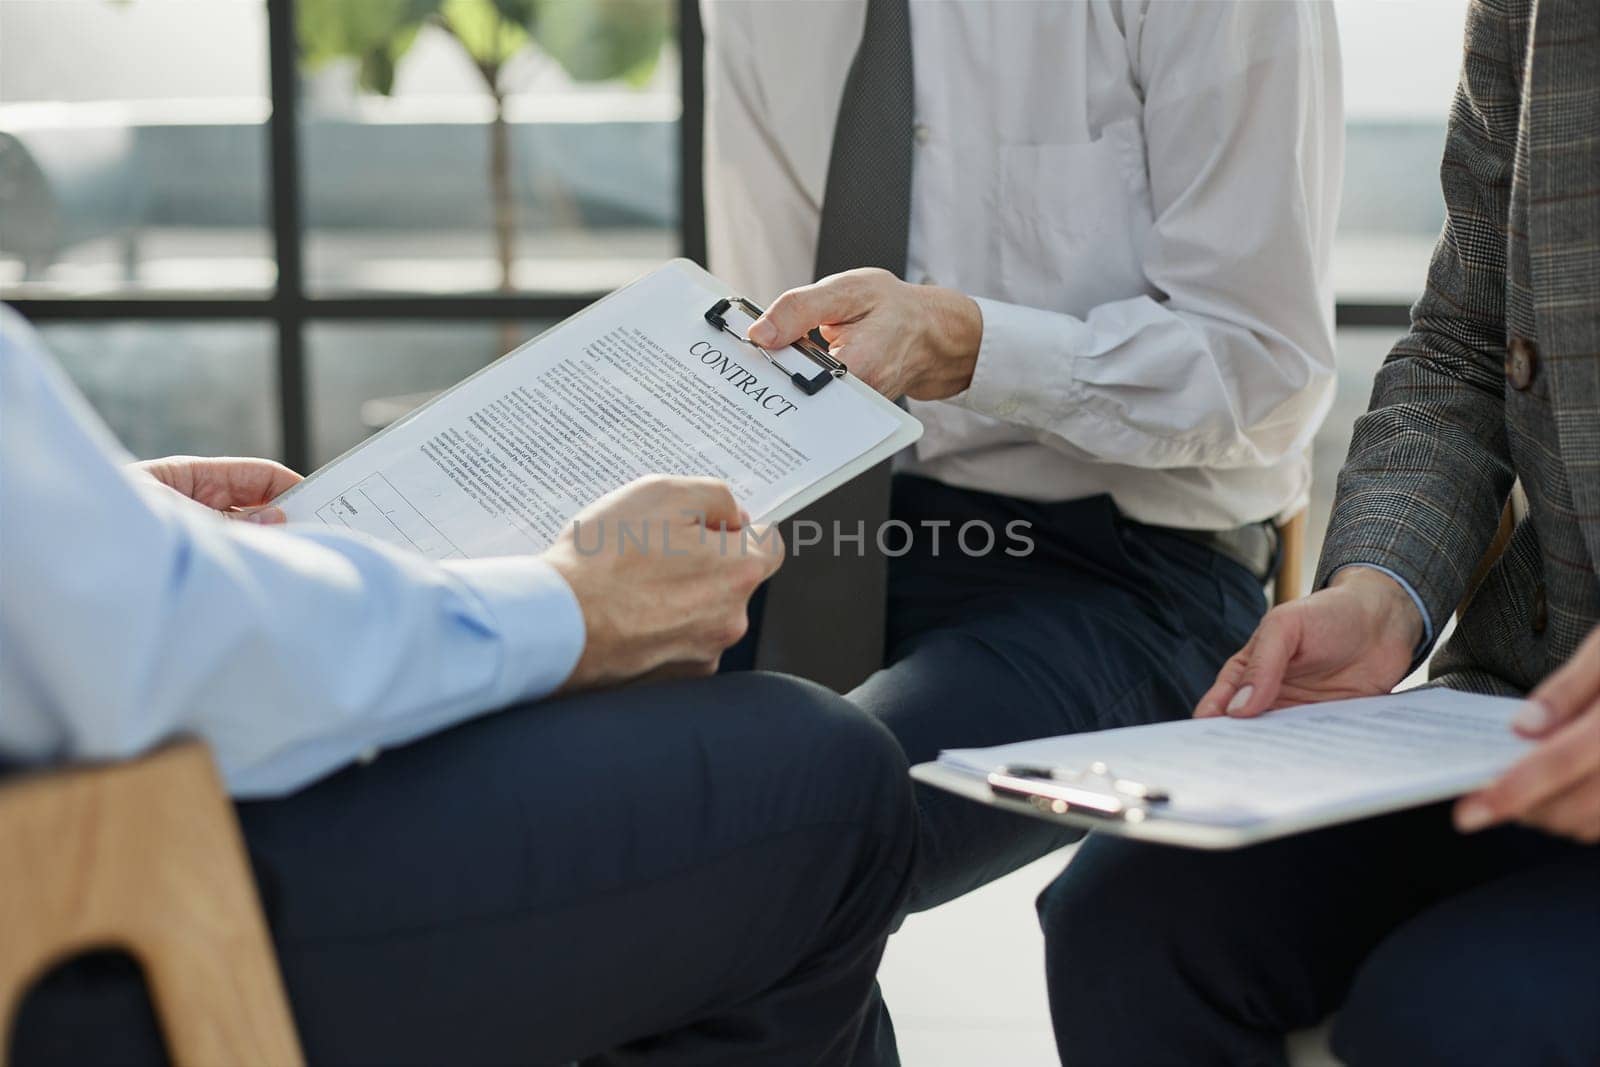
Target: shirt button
(1538,612)
(920,133)
(367,755)
(1522,359)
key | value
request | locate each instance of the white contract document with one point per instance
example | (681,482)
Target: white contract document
(639,383)
(1222,783)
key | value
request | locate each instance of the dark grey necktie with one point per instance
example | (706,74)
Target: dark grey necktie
(825,609)
(866,209)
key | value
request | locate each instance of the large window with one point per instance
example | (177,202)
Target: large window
(174,386)
(448,148)
(267,226)
(363,375)
(1401,61)
(133,151)
(302,215)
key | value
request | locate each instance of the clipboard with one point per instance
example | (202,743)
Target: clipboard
(808,368)
(1228,783)
(824,367)
(1092,805)
(1149,820)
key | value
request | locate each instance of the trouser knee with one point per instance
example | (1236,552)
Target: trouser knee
(818,734)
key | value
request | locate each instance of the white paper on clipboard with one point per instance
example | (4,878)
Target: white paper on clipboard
(1231,782)
(638,383)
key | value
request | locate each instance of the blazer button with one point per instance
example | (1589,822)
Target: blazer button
(1538,612)
(1522,359)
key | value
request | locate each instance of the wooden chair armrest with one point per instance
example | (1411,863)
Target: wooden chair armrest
(144,856)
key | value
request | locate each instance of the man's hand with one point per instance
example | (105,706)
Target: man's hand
(1355,638)
(1556,787)
(239,488)
(903,340)
(663,569)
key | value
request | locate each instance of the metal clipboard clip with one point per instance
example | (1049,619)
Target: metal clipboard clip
(716,315)
(1096,792)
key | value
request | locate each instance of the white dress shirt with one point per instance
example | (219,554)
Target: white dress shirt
(1140,194)
(129,614)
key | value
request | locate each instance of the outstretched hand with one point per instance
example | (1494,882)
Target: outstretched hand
(1355,638)
(901,339)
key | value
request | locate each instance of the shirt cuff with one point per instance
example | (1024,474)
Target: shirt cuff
(1416,598)
(538,617)
(1017,377)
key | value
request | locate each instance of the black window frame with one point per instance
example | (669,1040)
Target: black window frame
(290,308)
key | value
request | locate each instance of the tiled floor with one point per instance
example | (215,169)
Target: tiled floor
(965,982)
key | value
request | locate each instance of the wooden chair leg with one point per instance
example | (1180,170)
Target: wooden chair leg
(145,856)
(1292,550)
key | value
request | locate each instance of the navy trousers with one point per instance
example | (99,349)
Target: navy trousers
(689,874)
(1104,623)
(1435,948)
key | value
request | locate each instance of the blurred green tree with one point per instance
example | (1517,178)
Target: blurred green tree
(592,40)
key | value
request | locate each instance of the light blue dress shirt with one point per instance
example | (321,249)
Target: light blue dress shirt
(129,614)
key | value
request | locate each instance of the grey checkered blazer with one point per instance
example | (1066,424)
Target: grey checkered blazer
(1499,376)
